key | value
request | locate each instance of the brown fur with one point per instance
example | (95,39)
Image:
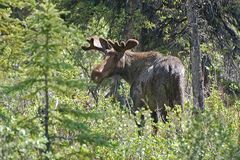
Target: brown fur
(155,80)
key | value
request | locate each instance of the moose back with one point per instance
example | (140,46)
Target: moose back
(155,80)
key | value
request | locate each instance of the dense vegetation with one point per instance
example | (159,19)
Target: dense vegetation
(49,108)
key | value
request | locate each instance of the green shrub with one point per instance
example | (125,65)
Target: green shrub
(213,134)
(19,140)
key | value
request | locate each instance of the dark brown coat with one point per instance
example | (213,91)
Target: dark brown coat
(155,80)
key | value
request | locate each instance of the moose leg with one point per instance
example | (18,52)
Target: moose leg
(155,117)
(138,104)
(161,111)
(161,99)
(158,113)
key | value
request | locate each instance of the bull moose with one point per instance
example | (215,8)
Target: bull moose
(155,80)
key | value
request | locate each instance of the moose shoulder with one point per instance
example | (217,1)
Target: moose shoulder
(155,80)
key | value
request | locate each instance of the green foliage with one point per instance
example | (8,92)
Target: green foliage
(10,38)
(46,80)
(18,139)
(45,45)
(213,134)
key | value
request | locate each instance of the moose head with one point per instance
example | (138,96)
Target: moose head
(113,53)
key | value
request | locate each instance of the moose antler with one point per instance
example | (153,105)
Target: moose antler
(102,45)
(97,43)
(122,46)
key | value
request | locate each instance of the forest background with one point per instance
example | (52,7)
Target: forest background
(49,108)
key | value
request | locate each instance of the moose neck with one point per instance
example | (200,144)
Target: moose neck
(135,64)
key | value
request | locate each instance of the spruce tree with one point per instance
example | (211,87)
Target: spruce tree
(48,78)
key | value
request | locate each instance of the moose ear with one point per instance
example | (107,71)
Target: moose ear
(105,43)
(131,43)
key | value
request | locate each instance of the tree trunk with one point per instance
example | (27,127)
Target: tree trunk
(46,116)
(131,8)
(47,105)
(197,78)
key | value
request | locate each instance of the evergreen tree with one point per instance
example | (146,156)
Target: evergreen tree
(48,80)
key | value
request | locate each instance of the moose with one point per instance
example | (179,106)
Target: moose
(155,80)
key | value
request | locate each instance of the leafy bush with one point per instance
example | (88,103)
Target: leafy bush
(213,134)
(19,139)
(42,47)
